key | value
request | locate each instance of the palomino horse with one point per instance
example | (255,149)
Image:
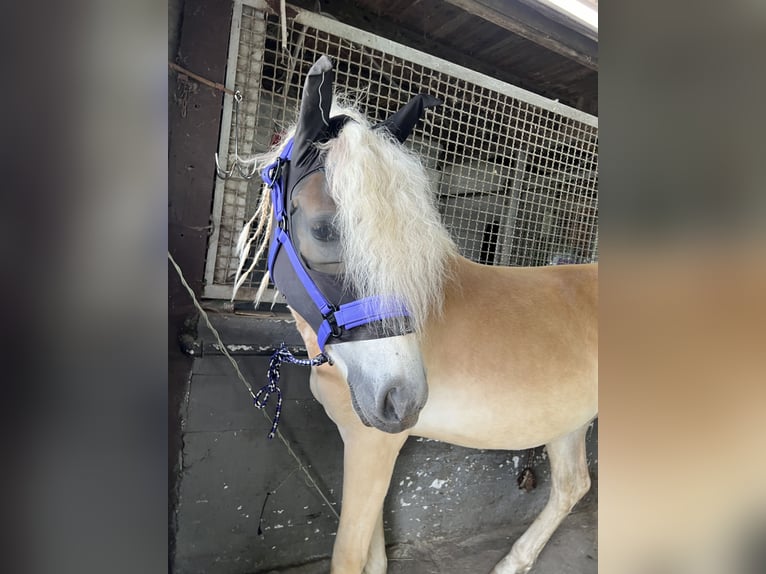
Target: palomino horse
(420,341)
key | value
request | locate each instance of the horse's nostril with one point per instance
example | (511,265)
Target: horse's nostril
(392,405)
(399,406)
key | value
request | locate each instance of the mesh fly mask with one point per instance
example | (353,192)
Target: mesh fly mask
(314,289)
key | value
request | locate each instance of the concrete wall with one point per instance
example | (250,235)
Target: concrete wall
(229,466)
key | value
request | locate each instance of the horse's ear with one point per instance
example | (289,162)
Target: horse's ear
(314,116)
(402,122)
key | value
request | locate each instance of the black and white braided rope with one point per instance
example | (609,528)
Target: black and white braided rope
(281,355)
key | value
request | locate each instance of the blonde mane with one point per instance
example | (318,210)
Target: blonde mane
(392,241)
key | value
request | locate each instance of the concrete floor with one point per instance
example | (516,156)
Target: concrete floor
(228,468)
(573,549)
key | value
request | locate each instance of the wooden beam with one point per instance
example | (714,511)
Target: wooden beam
(548,9)
(534,26)
(193,128)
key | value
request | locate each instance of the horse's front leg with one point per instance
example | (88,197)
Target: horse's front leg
(570,481)
(376,557)
(369,458)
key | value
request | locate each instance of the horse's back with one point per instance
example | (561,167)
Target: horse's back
(514,360)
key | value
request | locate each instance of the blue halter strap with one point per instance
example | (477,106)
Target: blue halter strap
(336,318)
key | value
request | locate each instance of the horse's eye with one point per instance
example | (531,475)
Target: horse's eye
(324,231)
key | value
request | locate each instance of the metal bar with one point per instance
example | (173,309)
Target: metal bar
(216,291)
(513,208)
(594,251)
(293,60)
(200,79)
(223,149)
(210,347)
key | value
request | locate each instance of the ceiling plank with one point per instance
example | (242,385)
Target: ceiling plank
(533,26)
(548,8)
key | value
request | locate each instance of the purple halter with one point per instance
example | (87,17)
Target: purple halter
(330,309)
(337,317)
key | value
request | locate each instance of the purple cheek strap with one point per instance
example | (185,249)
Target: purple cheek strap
(336,318)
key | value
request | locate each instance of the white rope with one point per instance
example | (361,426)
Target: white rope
(241,377)
(283,18)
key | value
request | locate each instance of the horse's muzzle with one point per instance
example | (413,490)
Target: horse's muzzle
(394,412)
(386,379)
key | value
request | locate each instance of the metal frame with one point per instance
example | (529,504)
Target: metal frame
(210,289)
(406,53)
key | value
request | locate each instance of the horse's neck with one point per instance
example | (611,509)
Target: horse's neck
(475,293)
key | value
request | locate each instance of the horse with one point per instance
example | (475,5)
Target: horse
(416,340)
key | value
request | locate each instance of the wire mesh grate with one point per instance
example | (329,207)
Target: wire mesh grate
(517,182)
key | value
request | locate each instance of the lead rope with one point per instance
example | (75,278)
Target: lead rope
(241,377)
(282,355)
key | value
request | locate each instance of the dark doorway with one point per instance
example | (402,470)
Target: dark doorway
(489,243)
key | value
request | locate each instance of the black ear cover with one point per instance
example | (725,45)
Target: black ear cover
(403,122)
(314,116)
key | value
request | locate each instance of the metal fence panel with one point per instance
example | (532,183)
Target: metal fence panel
(516,173)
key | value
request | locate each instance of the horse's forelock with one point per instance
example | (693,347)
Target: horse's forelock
(393,241)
